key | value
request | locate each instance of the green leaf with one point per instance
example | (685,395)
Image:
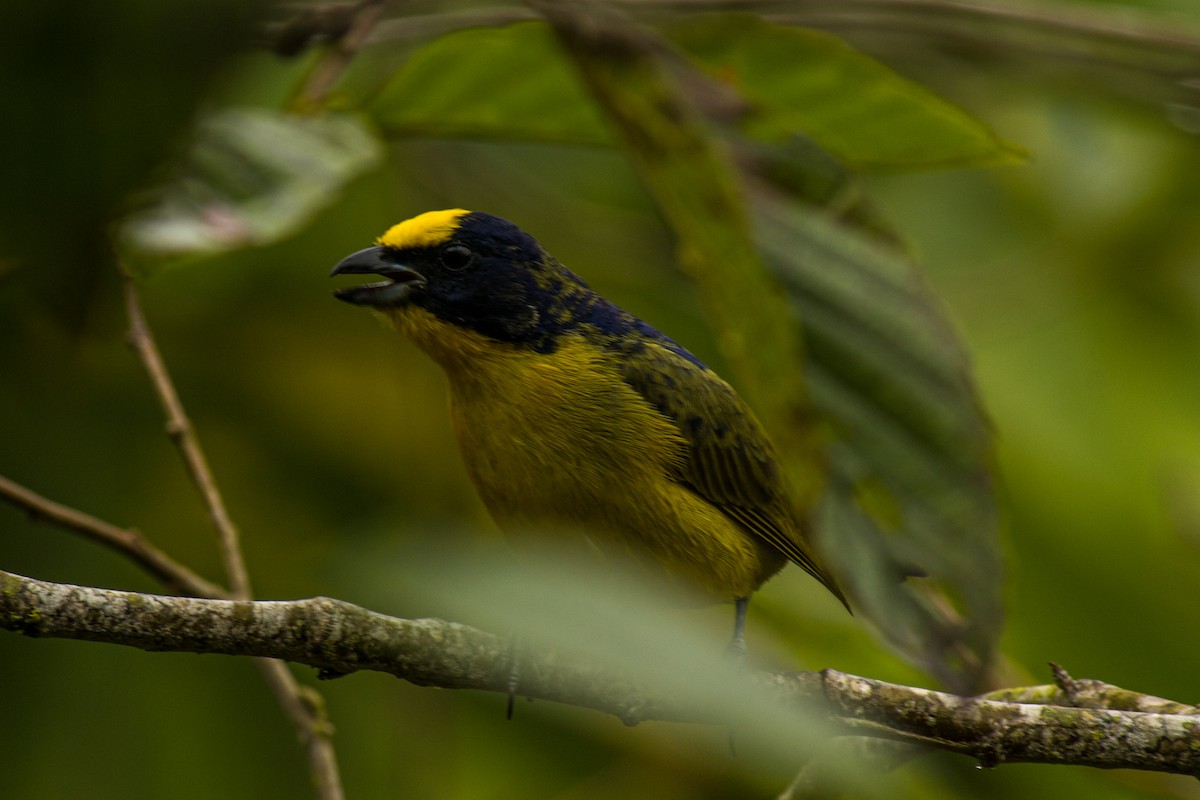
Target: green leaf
(507,83)
(251,177)
(692,179)
(513,83)
(812,83)
(909,482)
(903,484)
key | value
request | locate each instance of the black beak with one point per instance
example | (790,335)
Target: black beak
(396,290)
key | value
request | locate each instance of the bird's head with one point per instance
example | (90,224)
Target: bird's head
(468,269)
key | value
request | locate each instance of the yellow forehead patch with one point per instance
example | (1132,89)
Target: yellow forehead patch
(425,230)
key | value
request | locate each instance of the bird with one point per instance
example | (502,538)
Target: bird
(573,415)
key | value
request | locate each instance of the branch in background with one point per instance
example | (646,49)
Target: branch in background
(360,20)
(1063,22)
(1068,21)
(338,638)
(309,26)
(305,708)
(424,27)
(170,572)
(302,705)
(1134,43)
(179,428)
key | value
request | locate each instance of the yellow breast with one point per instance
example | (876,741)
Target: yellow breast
(559,441)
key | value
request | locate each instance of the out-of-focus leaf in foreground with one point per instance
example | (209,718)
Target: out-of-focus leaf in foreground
(804,81)
(909,486)
(251,177)
(559,603)
(498,83)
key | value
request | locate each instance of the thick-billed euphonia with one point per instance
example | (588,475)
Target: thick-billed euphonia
(574,415)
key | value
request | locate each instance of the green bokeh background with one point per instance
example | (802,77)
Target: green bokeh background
(1074,280)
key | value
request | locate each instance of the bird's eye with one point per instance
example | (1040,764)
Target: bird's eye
(456,257)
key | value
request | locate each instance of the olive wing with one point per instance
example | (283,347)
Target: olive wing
(729,462)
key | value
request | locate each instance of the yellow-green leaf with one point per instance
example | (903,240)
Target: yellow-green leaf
(507,83)
(804,81)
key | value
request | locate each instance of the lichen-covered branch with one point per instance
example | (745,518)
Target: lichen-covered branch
(339,638)
(1088,693)
(997,732)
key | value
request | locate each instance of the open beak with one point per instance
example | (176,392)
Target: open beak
(397,287)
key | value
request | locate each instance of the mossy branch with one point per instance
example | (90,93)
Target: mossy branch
(339,638)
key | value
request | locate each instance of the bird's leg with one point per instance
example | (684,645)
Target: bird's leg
(514,673)
(736,649)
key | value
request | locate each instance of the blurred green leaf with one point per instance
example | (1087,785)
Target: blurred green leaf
(554,602)
(805,81)
(688,172)
(251,177)
(506,83)
(910,460)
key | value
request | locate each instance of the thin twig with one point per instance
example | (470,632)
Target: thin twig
(305,708)
(1062,20)
(1073,23)
(302,705)
(174,575)
(179,428)
(1142,31)
(426,27)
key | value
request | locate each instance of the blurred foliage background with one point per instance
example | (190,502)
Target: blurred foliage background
(1063,252)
